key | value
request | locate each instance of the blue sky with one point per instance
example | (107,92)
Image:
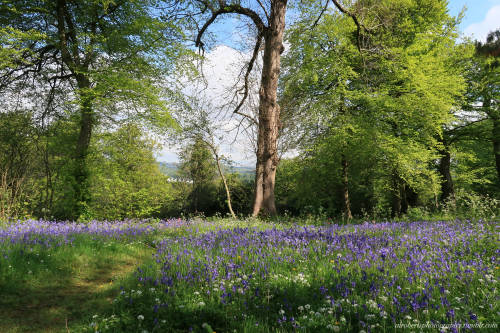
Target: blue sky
(476,9)
(480,16)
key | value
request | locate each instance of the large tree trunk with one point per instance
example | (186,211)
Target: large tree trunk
(496,143)
(345,188)
(447,189)
(495,134)
(259,173)
(81,172)
(269,111)
(396,195)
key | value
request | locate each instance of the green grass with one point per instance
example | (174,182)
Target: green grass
(59,289)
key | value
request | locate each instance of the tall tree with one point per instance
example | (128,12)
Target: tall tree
(198,127)
(110,52)
(126,181)
(488,87)
(399,89)
(268,19)
(198,166)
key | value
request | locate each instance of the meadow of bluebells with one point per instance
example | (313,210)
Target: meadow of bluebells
(53,233)
(26,246)
(442,276)
(373,277)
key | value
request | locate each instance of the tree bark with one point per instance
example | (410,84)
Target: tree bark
(221,174)
(259,172)
(345,188)
(496,143)
(396,195)
(447,188)
(71,57)
(81,172)
(269,112)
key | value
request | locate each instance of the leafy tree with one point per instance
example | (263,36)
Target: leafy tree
(17,161)
(393,97)
(486,92)
(111,53)
(126,181)
(198,166)
(13,43)
(197,127)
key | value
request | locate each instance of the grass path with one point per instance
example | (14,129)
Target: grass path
(68,288)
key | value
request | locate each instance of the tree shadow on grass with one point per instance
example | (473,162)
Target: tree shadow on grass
(65,300)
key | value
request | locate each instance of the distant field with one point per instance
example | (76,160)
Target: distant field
(249,276)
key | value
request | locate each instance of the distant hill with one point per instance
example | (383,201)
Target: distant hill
(172,170)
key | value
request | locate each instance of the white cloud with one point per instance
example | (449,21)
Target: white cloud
(221,68)
(481,29)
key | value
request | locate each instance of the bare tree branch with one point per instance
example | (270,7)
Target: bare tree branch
(320,15)
(228,9)
(264,9)
(359,25)
(256,49)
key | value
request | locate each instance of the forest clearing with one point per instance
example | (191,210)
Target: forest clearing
(249,166)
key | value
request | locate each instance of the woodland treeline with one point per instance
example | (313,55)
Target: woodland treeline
(389,112)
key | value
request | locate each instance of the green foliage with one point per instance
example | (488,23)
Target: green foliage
(241,188)
(198,167)
(14,46)
(387,101)
(470,205)
(379,99)
(17,156)
(126,180)
(110,57)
